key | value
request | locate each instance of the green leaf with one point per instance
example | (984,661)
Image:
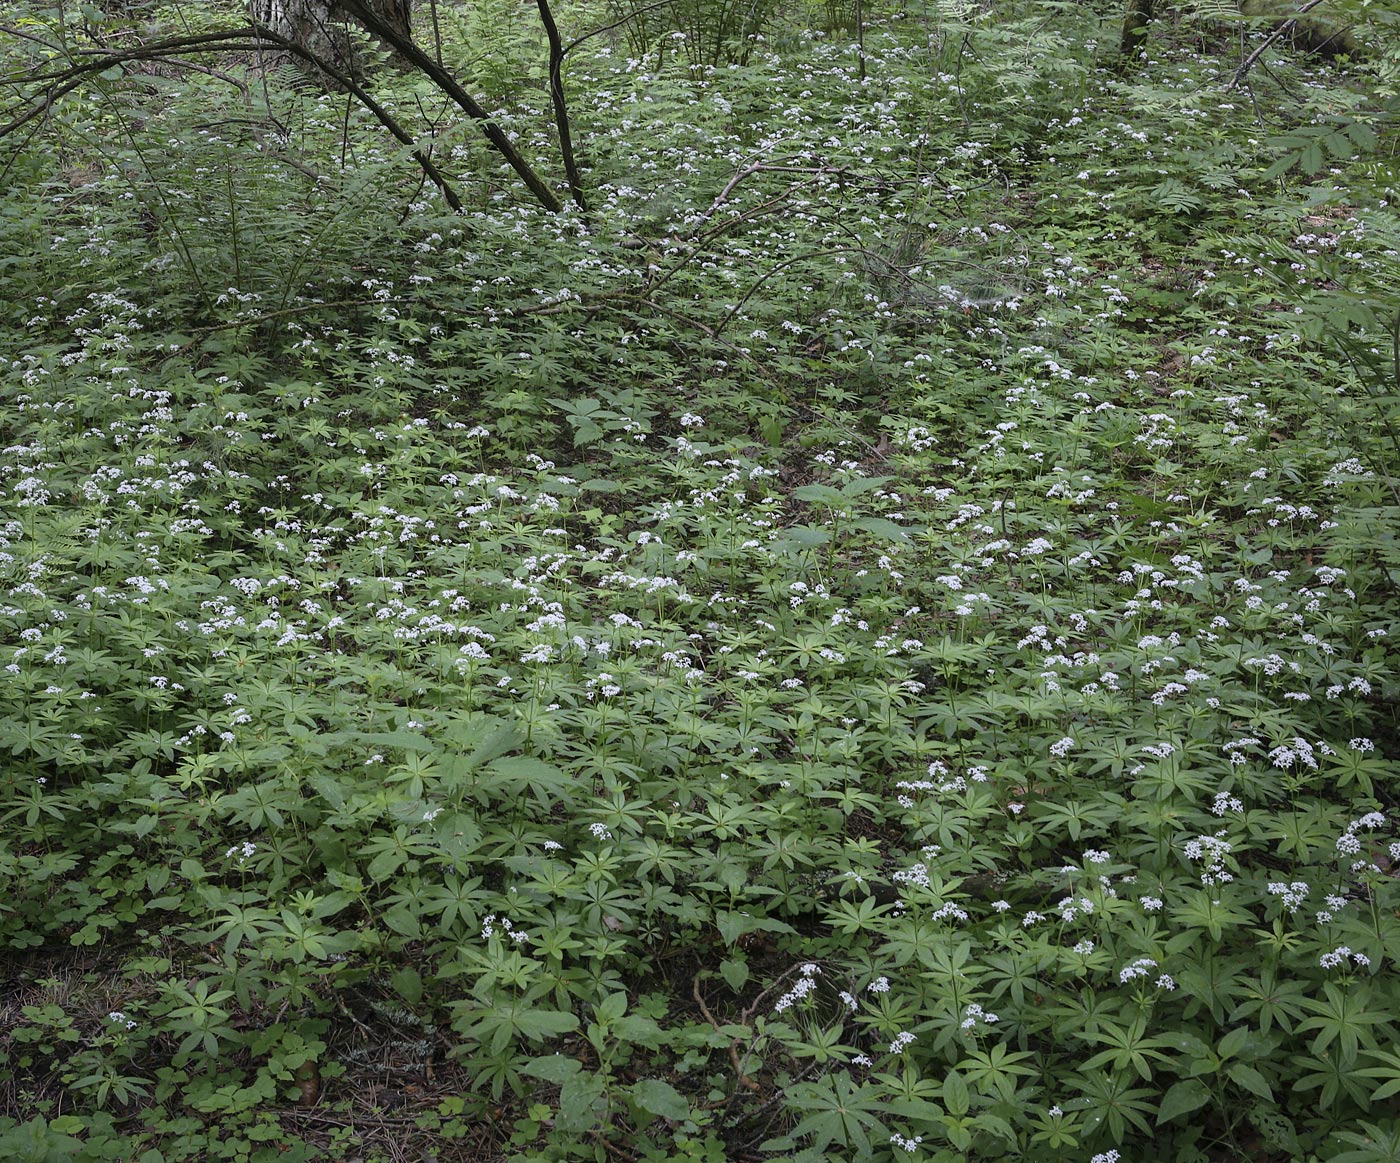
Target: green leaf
(611,1007)
(881,527)
(1248,1077)
(819,495)
(386,863)
(955,1094)
(404,740)
(329,789)
(544,780)
(541,1024)
(457,834)
(732,926)
(807,536)
(661,1098)
(403,920)
(1184,1097)
(408,984)
(578,1098)
(735,971)
(858,485)
(555,1068)
(1243,1041)
(482,738)
(639,1030)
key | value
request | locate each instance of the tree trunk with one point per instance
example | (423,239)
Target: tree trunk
(1136,17)
(320,27)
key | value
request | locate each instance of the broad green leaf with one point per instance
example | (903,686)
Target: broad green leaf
(1184,1097)
(806,536)
(545,781)
(579,1100)
(457,834)
(735,971)
(1249,1078)
(329,789)
(732,926)
(881,527)
(540,1024)
(1231,1043)
(408,984)
(820,495)
(661,1098)
(955,1094)
(555,1068)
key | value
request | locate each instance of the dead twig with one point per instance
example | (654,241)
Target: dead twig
(744,1080)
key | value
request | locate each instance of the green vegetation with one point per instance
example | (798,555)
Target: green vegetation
(876,641)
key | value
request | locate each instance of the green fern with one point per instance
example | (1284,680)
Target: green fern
(1176,197)
(1309,148)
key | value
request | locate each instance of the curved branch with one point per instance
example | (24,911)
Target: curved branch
(561,110)
(591,33)
(391,36)
(778,269)
(406,48)
(248,38)
(382,115)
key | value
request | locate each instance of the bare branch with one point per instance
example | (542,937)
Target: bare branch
(1281,31)
(561,110)
(444,80)
(248,38)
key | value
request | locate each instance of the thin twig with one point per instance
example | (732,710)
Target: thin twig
(573,44)
(248,38)
(744,1080)
(1281,31)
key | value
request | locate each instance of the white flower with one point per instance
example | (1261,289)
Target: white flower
(1137,969)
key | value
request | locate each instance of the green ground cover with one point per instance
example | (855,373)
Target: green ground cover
(875,642)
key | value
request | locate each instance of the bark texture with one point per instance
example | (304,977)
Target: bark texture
(1136,17)
(320,27)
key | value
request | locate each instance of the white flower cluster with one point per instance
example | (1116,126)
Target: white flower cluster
(975,1014)
(1338,957)
(1293,894)
(488,930)
(804,986)
(1211,851)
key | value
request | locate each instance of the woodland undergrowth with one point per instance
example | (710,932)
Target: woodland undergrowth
(876,641)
